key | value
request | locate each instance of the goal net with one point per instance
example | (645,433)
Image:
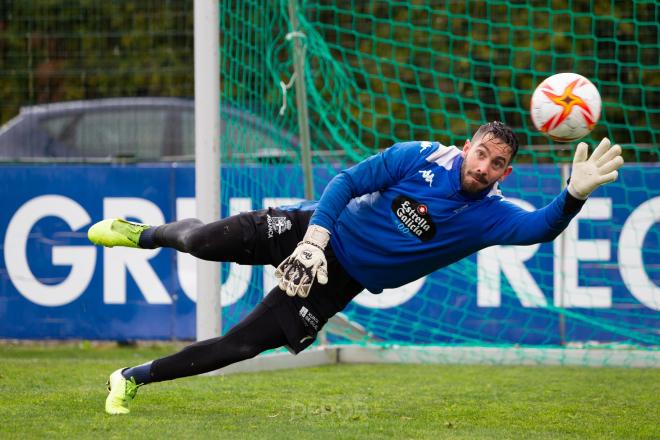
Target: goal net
(374,72)
(380,72)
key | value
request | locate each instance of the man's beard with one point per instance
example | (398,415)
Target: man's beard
(469,185)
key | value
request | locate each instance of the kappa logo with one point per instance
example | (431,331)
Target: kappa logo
(428,176)
(424,145)
(277,224)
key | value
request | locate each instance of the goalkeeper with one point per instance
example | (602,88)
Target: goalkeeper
(391,219)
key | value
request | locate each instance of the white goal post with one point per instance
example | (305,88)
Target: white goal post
(207,158)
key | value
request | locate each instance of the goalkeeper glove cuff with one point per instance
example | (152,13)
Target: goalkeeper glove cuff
(317,236)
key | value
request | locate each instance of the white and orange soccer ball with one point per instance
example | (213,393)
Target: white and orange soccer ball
(565,106)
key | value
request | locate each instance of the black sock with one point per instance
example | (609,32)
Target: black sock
(141,373)
(146,240)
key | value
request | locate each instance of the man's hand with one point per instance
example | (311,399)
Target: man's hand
(599,169)
(297,272)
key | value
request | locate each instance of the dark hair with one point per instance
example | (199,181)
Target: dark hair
(499,131)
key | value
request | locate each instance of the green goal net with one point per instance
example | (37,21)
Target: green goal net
(380,72)
(375,72)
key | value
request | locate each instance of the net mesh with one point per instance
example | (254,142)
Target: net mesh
(378,72)
(381,72)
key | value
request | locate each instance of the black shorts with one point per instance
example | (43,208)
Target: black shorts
(268,237)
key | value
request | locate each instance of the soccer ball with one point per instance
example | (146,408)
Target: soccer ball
(565,106)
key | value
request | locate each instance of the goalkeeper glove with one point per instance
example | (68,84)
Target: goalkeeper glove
(297,272)
(599,169)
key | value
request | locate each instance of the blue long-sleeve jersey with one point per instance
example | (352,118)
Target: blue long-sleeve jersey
(401,214)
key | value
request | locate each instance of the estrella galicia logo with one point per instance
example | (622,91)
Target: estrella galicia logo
(413,218)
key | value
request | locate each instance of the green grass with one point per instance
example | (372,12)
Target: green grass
(59,391)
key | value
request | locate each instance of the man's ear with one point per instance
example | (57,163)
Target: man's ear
(506,173)
(466,147)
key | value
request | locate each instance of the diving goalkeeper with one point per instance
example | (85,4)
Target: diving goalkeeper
(393,218)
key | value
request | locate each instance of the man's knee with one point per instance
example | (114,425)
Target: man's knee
(176,234)
(197,242)
(217,241)
(248,351)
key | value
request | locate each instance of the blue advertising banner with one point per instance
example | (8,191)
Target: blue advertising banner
(604,271)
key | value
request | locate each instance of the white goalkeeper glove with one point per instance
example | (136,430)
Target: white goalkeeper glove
(297,272)
(599,169)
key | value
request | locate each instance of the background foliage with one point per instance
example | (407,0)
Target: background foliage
(379,71)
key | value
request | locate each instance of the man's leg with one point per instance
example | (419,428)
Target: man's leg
(257,332)
(222,240)
(259,237)
(266,236)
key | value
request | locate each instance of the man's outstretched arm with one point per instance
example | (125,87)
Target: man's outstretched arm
(515,226)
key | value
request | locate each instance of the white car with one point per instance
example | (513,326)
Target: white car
(136,129)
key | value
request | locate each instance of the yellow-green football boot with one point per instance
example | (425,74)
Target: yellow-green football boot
(116,232)
(121,392)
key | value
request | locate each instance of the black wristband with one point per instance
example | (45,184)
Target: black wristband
(572,205)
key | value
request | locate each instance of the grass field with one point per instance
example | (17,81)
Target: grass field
(48,392)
